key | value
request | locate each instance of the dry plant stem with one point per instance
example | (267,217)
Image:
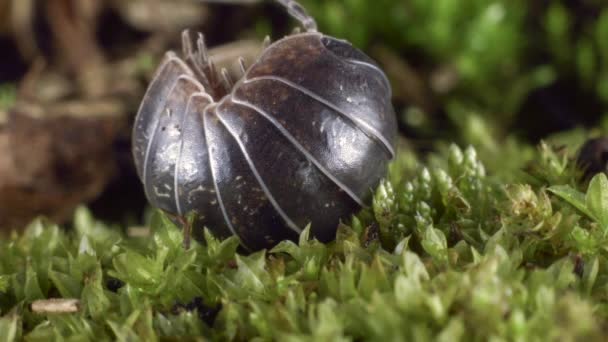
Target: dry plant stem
(168,16)
(27,86)
(76,42)
(22,22)
(56,305)
(138,231)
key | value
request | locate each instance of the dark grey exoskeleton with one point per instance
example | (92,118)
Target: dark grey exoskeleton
(304,136)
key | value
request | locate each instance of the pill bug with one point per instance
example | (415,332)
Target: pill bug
(593,157)
(302,137)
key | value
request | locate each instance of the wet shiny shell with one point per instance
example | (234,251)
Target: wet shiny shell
(302,138)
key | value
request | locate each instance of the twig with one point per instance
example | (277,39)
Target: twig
(56,305)
(22,22)
(138,231)
(76,41)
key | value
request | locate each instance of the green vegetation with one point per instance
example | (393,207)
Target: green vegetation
(7,96)
(447,251)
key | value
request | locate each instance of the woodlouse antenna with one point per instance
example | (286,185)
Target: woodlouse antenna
(299,13)
(294,9)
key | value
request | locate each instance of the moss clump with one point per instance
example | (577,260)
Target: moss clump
(447,251)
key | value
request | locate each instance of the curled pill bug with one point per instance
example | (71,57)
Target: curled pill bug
(302,137)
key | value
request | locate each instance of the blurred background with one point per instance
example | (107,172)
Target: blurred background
(497,74)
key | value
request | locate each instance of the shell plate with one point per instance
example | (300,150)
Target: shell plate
(303,137)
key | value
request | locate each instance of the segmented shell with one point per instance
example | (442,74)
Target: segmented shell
(303,137)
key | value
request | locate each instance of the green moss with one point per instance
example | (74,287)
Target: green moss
(459,254)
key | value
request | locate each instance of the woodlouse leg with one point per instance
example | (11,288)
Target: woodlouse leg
(197,57)
(242,67)
(226,80)
(265,43)
(186,225)
(187,229)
